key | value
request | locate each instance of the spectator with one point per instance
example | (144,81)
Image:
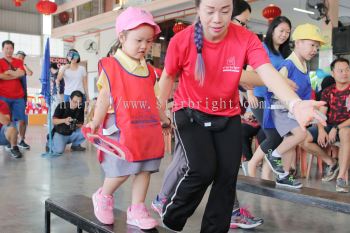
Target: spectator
(8,133)
(11,90)
(307,39)
(74,75)
(276,44)
(28,72)
(57,91)
(337,97)
(67,120)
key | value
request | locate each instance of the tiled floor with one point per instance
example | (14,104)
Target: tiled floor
(27,182)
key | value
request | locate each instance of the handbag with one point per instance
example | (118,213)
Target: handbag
(208,121)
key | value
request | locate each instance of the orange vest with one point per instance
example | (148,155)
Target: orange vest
(136,111)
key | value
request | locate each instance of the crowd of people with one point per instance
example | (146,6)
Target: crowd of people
(210,138)
(67,111)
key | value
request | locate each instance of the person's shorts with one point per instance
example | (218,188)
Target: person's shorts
(17,108)
(314,132)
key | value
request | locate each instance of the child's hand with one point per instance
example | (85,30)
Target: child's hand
(92,126)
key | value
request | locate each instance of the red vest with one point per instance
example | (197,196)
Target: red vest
(135,107)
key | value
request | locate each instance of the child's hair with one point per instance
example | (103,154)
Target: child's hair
(284,49)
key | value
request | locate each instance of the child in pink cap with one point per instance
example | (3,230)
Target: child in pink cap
(125,80)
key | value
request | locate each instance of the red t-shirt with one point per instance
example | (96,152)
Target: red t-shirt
(223,60)
(11,88)
(338,103)
(4,109)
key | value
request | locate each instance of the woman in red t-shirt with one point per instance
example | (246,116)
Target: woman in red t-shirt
(208,57)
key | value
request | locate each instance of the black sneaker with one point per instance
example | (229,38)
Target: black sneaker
(7,148)
(274,163)
(289,181)
(23,145)
(15,153)
(331,172)
(77,148)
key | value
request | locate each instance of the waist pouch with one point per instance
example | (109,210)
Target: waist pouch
(208,121)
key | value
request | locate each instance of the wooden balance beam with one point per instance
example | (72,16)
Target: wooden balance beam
(78,210)
(339,202)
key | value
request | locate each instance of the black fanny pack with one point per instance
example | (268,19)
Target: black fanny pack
(211,122)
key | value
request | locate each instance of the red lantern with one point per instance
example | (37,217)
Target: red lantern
(179,26)
(46,7)
(271,11)
(63,17)
(18,3)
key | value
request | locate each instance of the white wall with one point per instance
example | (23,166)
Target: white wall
(105,40)
(34,63)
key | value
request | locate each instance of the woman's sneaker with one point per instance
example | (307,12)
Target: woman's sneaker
(241,218)
(331,172)
(157,205)
(138,215)
(289,181)
(103,207)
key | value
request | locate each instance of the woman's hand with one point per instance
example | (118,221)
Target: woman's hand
(306,111)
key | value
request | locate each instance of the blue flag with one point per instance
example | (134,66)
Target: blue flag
(45,75)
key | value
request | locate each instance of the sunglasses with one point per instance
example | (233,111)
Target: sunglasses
(73,55)
(243,24)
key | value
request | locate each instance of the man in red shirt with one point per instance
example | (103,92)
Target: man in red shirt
(337,97)
(8,133)
(11,90)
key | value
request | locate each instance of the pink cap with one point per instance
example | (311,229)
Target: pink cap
(132,17)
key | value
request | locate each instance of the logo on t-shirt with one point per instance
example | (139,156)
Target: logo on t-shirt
(231,66)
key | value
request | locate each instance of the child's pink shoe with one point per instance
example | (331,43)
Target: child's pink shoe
(138,215)
(103,207)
